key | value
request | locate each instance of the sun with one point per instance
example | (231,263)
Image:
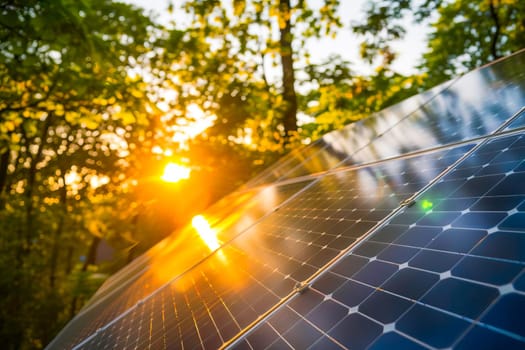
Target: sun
(176,172)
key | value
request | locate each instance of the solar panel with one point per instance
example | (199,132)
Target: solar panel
(440,273)
(472,106)
(379,241)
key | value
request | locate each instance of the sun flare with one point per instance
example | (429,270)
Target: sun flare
(175,172)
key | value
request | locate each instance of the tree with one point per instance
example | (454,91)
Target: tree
(465,34)
(341,96)
(71,113)
(236,46)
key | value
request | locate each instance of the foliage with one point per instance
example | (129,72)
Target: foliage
(341,96)
(231,50)
(465,34)
(70,113)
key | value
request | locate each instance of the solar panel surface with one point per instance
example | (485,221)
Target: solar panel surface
(439,274)
(366,239)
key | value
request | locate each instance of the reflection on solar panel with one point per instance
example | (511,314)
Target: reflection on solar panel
(405,230)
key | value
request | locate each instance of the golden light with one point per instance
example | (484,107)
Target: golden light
(175,172)
(206,233)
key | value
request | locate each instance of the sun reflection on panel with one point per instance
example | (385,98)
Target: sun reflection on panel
(206,233)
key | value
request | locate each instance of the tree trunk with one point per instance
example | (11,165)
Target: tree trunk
(92,253)
(289,96)
(90,260)
(58,232)
(496,34)
(31,179)
(4,162)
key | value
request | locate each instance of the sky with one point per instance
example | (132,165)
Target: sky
(345,44)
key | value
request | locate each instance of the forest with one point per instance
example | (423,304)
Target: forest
(116,129)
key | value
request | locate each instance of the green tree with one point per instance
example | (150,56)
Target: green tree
(71,113)
(341,96)
(465,34)
(233,48)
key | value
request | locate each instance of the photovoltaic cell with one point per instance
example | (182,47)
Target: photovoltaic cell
(449,281)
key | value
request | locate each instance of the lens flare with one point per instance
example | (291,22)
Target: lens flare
(427,205)
(176,172)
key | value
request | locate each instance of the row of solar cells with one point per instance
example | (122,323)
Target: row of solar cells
(179,295)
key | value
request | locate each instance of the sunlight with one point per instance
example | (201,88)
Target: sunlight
(175,172)
(195,123)
(207,234)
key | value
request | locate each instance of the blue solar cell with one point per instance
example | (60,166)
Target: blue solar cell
(438,218)
(349,265)
(496,204)
(509,186)
(481,338)
(457,240)
(307,302)
(375,273)
(384,307)
(388,233)
(503,245)
(301,335)
(478,185)
(519,284)
(418,236)
(327,314)
(356,331)
(394,341)
(461,297)
(397,254)
(434,261)
(520,168)
(453,204)
(328,283)
(514,222)
(507,314)
(410,283)
(369,249)
(487,270)
(262,337)
(287,318)
(479,220)
(423,323)
(352,293)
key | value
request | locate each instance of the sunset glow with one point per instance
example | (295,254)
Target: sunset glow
(175,172)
